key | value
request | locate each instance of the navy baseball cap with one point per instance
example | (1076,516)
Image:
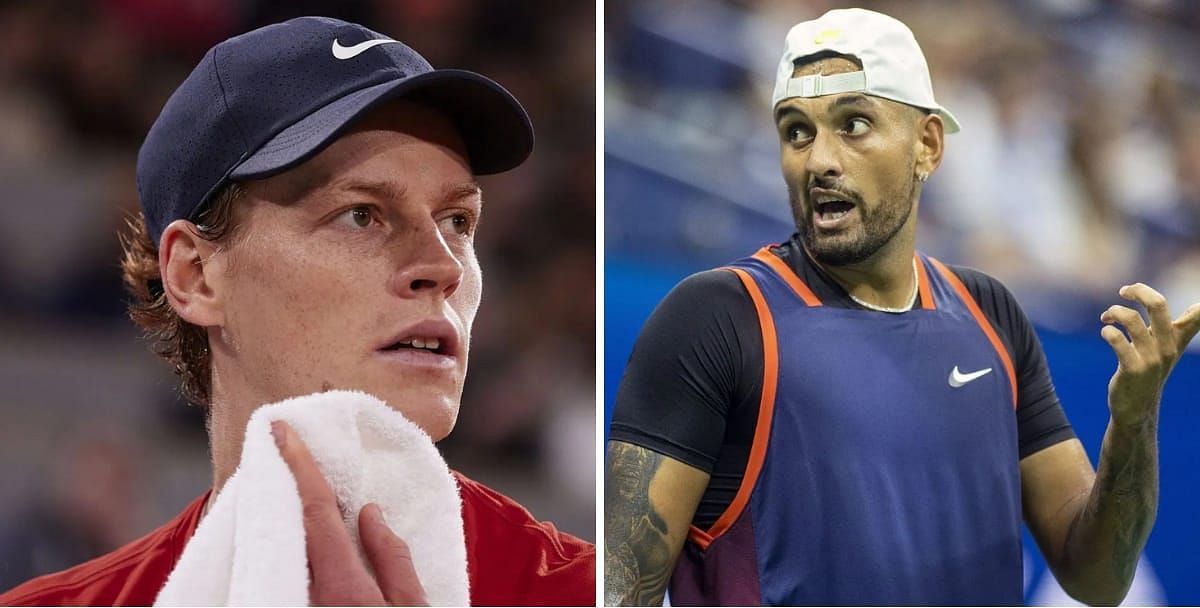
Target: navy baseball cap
(267,100)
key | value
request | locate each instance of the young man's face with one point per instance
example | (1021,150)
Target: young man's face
(848,161)
(357,270)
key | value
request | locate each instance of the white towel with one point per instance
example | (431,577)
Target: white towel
(249,549)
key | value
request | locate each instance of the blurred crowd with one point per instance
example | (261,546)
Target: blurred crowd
(1077,169)
(96,445)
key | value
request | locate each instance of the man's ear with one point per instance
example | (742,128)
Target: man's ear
(931,138)
(191,279)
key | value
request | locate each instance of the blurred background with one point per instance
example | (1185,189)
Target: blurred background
(1077,171)
(96,446)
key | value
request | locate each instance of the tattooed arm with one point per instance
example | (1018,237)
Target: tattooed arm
(649,501)
(1092,527)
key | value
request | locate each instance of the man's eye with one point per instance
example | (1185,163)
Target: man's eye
(797,134)
(359,217)
(857,126)
(458,223)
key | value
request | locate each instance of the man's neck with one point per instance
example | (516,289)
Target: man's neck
(884,281)
(225,439)
(230,411)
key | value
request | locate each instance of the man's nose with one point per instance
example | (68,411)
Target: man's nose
(824,156)
(427,264)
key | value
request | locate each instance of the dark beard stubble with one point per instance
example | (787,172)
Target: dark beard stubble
(876,229)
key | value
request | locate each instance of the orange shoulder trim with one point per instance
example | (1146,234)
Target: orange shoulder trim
(785,272)
(923,284)
(766,408)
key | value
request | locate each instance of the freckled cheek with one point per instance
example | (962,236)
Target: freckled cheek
(288,301)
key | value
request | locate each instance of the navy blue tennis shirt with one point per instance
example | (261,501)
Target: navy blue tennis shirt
(856,457)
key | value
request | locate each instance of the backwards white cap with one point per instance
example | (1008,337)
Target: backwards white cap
(893,66)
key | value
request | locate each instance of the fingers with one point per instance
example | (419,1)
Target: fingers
(1131,320)
(391,558)
(1155,304)
(1188,325)
(331,552)
(1121,346)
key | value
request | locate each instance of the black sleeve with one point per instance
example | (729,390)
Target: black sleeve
(686,373)
(1041,421)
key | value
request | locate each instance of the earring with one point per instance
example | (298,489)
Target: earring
(921,177)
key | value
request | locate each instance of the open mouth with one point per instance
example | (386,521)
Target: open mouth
(433,337)
(429,345)
(829,206)
(834,209)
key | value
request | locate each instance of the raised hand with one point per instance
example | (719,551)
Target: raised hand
(1146,358)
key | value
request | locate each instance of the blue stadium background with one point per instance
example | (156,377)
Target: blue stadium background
(1078,171)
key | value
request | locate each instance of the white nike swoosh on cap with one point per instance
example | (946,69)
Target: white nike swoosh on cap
(958,378)
(349,52)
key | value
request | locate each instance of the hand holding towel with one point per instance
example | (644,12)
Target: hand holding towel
(250,548)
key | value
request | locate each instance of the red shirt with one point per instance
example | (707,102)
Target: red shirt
(512,560)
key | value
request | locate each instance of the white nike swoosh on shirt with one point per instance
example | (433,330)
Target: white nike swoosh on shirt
(958,378)
(348,52)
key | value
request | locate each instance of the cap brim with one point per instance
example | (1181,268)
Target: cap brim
(497,131)
(951,122)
